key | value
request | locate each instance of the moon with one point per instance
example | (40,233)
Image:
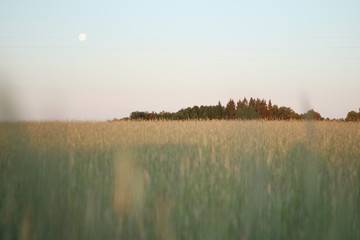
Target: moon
(82,37)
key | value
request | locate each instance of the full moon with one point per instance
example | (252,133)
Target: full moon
(82,37)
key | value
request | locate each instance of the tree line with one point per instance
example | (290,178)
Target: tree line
(242,110)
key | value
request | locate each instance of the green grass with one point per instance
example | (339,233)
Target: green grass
(180,180)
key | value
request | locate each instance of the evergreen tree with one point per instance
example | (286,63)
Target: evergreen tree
(262,109)
(230,109)
(275,112)
(252,103)
(239,105)
(219,111)
(247,113)
(245,103)
(257,106)
(270,110)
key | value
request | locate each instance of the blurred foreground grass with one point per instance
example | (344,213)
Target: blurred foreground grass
(180,180)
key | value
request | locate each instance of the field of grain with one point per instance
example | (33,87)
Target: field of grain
(180,180)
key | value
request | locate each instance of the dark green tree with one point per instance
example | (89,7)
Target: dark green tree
(353,116)
(239,105)
(138,115)
(219,111)
(286,113)
(275,112)
(195,112)
(247,113)
(252,103)
(312,115)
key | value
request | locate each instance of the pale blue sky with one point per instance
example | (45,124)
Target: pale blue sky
(165,55)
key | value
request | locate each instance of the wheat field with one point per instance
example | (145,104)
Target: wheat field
(180,180)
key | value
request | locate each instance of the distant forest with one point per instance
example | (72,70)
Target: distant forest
(242,110)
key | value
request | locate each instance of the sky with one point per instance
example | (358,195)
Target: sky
(166,55)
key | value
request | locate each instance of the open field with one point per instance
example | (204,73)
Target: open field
(180,180)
